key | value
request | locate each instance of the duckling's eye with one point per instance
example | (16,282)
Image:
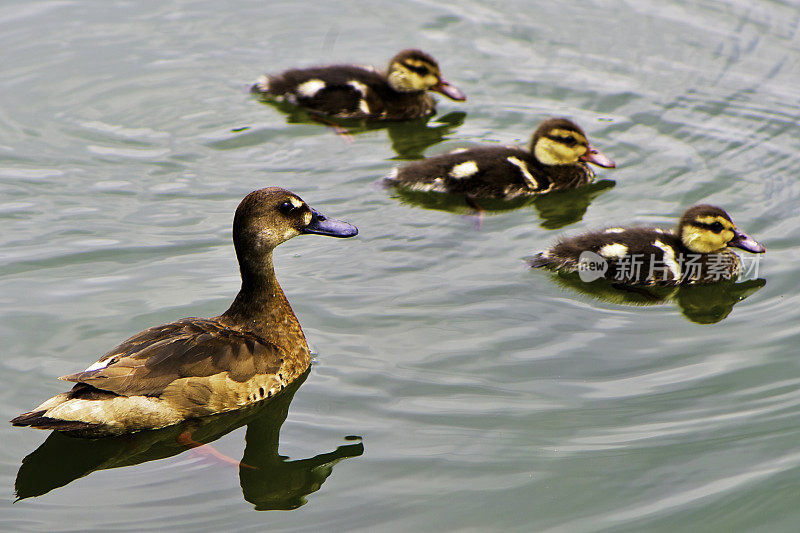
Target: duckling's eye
(569,141)
(287,207)
(716,227)
(422,70)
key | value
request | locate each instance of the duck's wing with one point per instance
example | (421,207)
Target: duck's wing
(628,254)
(483,172)
(346,90)
(148,362)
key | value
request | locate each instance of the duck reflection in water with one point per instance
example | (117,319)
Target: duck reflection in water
(268,479)
(555,210)
(409,138)
(702,304)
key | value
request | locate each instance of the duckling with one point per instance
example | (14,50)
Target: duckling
(201,366)
(355,91)
(556,161)
(697,252)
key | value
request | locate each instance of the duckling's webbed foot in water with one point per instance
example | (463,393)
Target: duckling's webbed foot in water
(341,131)
(479,211)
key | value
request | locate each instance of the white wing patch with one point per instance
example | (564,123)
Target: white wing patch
(526,175)
(615,230)
(309,88)
(615,250)
(464,170)
(669,258)
(358,86)
(98,365)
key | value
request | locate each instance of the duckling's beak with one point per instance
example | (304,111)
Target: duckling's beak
(322,225)
(593,155)
(746,243)
(450,91)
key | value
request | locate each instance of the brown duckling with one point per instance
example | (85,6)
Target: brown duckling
(556,161)
(355,91)
(200,366)
(697,252)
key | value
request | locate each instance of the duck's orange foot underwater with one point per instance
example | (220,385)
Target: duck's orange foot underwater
(207,450)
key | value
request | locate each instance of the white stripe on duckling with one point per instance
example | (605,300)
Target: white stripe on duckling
(523,168)
(309,88)
(669,259)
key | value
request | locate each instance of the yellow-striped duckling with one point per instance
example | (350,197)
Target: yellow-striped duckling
(200,366)
(355,91)
(699,251)
(557,160)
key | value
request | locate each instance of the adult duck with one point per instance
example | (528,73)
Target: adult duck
(201,366)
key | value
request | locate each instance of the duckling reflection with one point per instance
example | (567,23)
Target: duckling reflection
(268,479)
(410,139)
(701,304)
(555,210)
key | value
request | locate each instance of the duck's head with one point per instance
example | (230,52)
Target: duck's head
(267,217)
(707,229)
(559,141)
(413,70)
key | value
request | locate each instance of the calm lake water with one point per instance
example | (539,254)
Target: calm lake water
(453,388)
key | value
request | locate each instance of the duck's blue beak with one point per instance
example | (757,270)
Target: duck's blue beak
(450,91)
(593,155)
(322,225)
(747,243)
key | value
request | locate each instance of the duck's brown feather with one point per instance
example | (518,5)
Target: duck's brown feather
(147,363)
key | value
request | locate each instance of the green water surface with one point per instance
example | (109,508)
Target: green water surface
(453,389)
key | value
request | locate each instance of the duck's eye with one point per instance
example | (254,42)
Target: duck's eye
(287,207)
(569,141)
(422,70)
(716,227)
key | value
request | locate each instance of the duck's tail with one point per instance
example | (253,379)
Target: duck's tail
(37,420)
(538,261)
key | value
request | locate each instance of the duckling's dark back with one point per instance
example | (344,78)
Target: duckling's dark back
(490,172)
(345,91)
